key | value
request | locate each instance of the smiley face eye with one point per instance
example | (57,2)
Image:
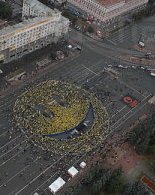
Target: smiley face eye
(41,109)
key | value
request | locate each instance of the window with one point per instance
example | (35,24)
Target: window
(12,56)
(25,50)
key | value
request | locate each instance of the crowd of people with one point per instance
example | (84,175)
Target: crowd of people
(65,117)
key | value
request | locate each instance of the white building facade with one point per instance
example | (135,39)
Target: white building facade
(104,11)
(38,29)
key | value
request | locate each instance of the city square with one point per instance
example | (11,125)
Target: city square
(58,113)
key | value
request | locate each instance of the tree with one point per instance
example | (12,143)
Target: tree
(136,188)
(143,136)
(70,16)
(74,20)
(90,29)
(115,184)
(53,55)
(150,149)
(152,166)
(5,10)
(151,2)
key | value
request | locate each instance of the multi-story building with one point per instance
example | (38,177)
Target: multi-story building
(3,23)
(35,8)
(40,27)
(106,10)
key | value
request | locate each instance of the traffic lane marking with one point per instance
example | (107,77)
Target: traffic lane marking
(89,69)
(12,157)
(75,162)
(133,89)
(138,109)
(11,178)
(13,148)
(34,169)
(130,111)
(4,133)
(81,75)
(32,193)
(43,172)
(10,142)
(118,111)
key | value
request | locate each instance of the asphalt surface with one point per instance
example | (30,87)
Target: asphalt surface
(25,168)
(130,35)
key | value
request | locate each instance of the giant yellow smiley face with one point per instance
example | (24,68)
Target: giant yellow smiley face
(54,112)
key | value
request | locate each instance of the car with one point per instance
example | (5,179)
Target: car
(133,66)
(141,67)
(109,65)
(150,69)
(152,73)
(121,66)
(69,46)
(78,28)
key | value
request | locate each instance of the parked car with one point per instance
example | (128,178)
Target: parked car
(109,65)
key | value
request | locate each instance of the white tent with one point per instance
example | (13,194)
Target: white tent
(141,43)
(56,185)
(72,171)
(82,164)
(36,193)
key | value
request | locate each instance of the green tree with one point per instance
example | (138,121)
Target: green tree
(136,188)
(70,16)
(152,166)
(53,55)
(5,10)
(115,184)
(150,149)
(90,29)
(143,136)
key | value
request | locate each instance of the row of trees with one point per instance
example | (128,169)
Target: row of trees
(5,10)
(100,180)
(143,137)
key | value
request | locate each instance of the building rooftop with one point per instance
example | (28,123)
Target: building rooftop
(56,185)
(109,3)
(37,5)
(24,25)
(83,164)
(73,171)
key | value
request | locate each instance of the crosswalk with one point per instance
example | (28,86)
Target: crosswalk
(130,34)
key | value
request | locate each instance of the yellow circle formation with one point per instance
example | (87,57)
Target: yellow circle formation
(55,106)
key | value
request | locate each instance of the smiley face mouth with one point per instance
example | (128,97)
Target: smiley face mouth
(78,130)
